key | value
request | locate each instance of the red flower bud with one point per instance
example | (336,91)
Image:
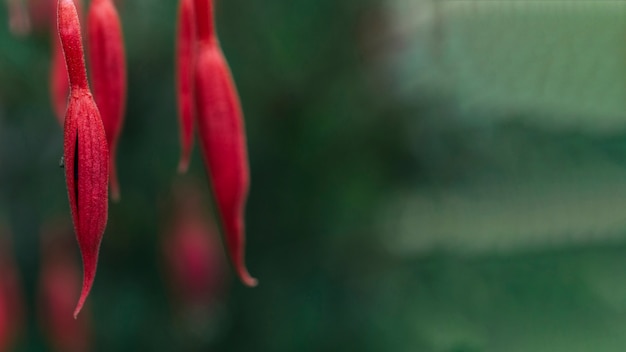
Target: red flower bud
(194,260)
(185,55)
(59,283)
(11,304)
(108,75)
(86,153)
(222,137)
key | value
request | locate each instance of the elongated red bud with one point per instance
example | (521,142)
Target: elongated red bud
(86,153)
(222,137)
(108,75)
(185,56)
(59,283)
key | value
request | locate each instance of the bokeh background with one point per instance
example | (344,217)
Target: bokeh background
(427,175)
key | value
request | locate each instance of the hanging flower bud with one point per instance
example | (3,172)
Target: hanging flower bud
(11,304)
(194,261)
(59,82)
(59,283)
(108,75)
(222,136)
(185,55)
(86,153)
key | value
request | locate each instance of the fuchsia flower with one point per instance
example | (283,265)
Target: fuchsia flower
(108,75)
(222,136)
(205,88)
(59,284)
(86,153)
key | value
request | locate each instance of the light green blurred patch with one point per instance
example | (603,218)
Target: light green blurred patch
(570,205)
(562,63)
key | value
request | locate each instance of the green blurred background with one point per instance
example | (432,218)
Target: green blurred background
(427,175)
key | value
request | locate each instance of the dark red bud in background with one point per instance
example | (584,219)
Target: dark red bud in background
(85,152)
(59,285)
(59,83)
(193,255)
(42,14)
(185,59)
(108,75)
(222,137)
(11,303)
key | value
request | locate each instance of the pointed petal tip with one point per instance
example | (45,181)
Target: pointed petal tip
(89,274)
(84,293)
(81,302)
(247,279)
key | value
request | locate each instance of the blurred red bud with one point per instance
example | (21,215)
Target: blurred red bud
(185,59)
(42,14)
(59,83)
(108,75)
(193,255)
(11,302)
(59,285)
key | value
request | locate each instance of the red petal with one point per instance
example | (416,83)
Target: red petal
(86,173)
